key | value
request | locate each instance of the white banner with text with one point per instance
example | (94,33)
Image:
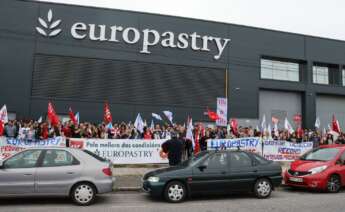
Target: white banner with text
(124,151)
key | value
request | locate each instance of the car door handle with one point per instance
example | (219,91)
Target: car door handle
(27,174)
(70,172)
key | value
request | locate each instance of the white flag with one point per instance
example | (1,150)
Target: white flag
(3,114)
(189,134)
(139,124)
(317,122)
(152,126)
(288,126)
(156,116)
(263,123)
(257,128)
(77,117)
(269,130)
(40,120)
(169,115)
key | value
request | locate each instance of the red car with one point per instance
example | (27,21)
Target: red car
(322,169)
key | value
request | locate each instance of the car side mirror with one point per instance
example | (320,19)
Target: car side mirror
(202,167)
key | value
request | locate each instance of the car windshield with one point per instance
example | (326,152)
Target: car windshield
(195,158)
(322,154)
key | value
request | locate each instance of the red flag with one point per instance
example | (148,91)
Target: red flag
(71,116)
(107,115)
(196,141)
(54,119)
(212,115)
(275,120)
(335,125)
(299,132)
(1,128)
(297,118)
(234,125)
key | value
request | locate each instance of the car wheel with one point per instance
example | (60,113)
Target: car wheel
(333,184)
(83,194)
(262,188)
(175,192)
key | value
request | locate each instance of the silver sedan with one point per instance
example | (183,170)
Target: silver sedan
(79,174)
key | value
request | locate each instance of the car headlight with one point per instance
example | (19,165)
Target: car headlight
(317,169)
(153,179)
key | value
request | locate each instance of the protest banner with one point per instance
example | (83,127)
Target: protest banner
(123,151)
(222,112)
(10,146)
(284,150)
(252,144)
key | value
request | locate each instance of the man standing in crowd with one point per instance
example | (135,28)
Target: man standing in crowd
(173,147)
(11,130)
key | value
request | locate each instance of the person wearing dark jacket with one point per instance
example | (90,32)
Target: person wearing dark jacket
(173,147)
(203,141)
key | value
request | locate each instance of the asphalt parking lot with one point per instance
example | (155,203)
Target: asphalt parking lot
(283,199)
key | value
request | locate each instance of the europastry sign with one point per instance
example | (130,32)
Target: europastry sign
(49,27)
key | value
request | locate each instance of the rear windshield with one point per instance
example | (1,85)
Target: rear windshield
(260,159)
(95,156)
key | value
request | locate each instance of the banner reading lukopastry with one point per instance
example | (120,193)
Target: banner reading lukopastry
(10,146)
(252,144)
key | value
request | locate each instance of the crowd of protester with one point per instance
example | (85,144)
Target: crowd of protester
(29,129)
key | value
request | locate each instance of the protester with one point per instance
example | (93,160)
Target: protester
(29,129)
(173,147)
(11,130)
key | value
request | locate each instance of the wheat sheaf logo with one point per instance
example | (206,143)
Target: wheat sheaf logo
(48,29)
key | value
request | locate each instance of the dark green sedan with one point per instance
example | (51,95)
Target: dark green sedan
(215,172)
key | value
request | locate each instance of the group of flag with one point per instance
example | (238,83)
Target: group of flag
(333,128)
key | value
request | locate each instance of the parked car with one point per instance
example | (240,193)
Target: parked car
(79,174)
(215,172)
(322,169)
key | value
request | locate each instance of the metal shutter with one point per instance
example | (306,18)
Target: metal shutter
(122,81)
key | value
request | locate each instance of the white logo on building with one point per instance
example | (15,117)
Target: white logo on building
(147,38)
(48,28)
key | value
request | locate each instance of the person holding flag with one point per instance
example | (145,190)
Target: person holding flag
(72,116)
(53,117)
(107,114)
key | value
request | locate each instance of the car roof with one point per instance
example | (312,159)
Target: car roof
(226,150)
(48,148)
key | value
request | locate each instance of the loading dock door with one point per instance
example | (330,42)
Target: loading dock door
(280,105)
(326,106)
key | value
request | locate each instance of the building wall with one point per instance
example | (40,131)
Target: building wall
(20,45)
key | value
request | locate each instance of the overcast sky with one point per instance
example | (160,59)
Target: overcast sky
(324,18)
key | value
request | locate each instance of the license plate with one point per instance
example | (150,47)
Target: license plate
(295,179)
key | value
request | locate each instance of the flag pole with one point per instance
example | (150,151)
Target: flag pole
(226,83)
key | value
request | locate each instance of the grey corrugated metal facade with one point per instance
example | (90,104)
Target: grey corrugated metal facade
(82,73)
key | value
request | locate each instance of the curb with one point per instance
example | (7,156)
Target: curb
(127,189)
